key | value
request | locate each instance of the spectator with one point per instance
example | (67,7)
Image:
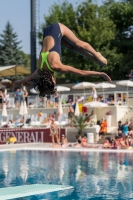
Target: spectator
(107,143)
(103,100)
(120,127)
(94,94)
(48,101)
(53,100)
(122,143)
(26,96)
(56,98)
(17,98)
(103,128)
(6,98)
(21,95)
(118,98)
(54,132)
(109,98)
(70,113)
(130,127)
(125,129)
(64,142)
(1,98)
(84,141)
(130,75)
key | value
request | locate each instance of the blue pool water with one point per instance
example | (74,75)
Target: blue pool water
(94,175)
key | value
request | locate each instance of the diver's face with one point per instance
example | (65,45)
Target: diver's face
(53,79)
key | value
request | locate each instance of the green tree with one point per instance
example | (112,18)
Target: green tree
(10,49)
(26,58)
(92,24)
(121,13)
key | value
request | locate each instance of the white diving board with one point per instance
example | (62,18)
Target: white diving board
(28,190)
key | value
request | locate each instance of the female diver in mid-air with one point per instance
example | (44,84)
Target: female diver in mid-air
(56,36)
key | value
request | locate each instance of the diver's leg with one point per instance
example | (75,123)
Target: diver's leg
(81,51)
(81,44)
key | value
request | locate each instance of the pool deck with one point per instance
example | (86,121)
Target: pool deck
(47,147)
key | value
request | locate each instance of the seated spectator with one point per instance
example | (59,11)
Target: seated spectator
(11,140)
(115,142)
(78,144)
(64,142)
(8,124)
(130,127)
(120,127)
(130,75)
(109,98)
(47,121)
(107,143)
(31,105)
(84,141)
(103,100)
(103,128)
(122,143)
(118,98)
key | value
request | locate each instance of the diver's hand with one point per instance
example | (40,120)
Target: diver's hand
(17,84)
(105,76)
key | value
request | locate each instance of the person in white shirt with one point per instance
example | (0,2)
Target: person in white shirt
(94,94)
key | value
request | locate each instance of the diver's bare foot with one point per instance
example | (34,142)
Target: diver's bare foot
(105,76)
(101,58)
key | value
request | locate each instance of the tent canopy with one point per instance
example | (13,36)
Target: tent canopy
(13,70)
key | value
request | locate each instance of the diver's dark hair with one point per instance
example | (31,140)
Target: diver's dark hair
(44,84)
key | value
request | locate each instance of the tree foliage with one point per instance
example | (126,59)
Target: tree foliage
(121,13)
(9,48)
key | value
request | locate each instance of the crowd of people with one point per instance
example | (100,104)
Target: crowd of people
(21,94)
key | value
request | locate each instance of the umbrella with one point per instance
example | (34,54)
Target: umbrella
(6,81)
(104,86)
(62,88)
(60,115)
(5,91)
(126,83)
(4,110)
(83,85)
(77,112)
(33,91)
(95,104)
(21,111)
(25,108)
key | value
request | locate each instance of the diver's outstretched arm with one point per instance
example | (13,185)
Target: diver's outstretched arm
(26,79)
(58,66)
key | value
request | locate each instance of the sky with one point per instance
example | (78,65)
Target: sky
(17,12)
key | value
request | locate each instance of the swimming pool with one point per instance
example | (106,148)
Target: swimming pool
(94,175)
